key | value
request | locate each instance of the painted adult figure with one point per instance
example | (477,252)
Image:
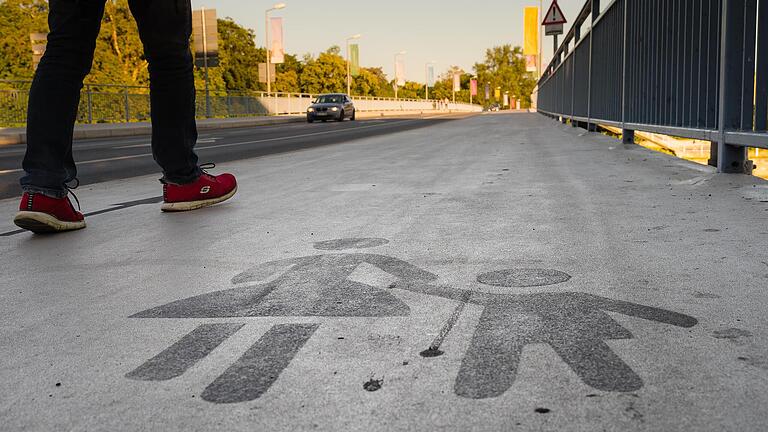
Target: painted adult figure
(308,286)
(49,167)
(316,285)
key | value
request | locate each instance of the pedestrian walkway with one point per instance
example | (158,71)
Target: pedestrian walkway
(501,272)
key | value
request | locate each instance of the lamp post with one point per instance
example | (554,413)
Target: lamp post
(541,11)
(401,53)
(277,6)
(454,70)
(426,86)
(349,75)
(470,88)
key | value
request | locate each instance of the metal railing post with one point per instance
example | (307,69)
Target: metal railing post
(736,82)
(627,135)
(127,106)
(89,98)
(761,94)
(595,7)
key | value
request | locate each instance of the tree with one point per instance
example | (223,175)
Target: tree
(119,59)
(288,74)
(19,18)
(238,56)
(372,82)
(326,74)
(411,90)
(504,68)
(119,56)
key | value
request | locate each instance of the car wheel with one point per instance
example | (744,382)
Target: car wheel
(341,116)
(353,115)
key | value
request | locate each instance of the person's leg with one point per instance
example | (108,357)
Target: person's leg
(55,95)
(165,28)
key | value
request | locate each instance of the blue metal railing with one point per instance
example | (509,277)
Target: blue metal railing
(688,68)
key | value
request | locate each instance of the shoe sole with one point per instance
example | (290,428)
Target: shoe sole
(43,223)
(194,205)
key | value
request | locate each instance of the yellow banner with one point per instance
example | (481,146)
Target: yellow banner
(531,45)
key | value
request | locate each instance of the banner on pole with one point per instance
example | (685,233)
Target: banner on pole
(506,100)
(354,60)
(431,75)
(278,50)
(456,81)
(400,72)
(531,31)
(487,92)
(531,63)
(473,87)
(205,37)
(263,73)
(497,93)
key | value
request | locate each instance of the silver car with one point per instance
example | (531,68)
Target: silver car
(333,106)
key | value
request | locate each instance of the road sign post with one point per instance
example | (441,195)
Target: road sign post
(553,23)
(206,44)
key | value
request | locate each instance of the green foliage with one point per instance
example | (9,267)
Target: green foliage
(238,56)
(19,18)
(411,90)
(119,59)
(326,74)
(119,56)
(504,67)
(372,82)
(288,74)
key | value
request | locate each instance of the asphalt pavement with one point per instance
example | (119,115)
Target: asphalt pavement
(101,160)
(493,273)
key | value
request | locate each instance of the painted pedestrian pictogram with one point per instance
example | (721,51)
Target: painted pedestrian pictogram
(575,325)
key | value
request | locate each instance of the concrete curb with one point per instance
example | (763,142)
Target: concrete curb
(16,136)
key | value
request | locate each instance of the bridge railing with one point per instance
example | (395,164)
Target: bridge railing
(688,68)
(111,103)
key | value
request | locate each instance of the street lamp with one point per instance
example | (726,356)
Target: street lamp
(349,75)
(277,6)
(426,86)
(401,53)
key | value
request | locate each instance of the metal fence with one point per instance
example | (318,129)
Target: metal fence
(688,68)
(107,103)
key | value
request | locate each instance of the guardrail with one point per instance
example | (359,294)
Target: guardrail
(685,68)
(110,103)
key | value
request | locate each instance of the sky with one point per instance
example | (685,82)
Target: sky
(446,32)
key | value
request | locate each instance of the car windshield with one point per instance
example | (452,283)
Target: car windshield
(329,99)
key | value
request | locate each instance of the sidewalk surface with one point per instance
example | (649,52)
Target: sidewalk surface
(502,272)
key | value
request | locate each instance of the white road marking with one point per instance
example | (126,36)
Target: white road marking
(299,136)
(133,146)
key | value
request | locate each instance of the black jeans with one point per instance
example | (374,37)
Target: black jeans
(165,27)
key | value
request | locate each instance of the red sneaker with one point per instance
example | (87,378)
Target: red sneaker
(205,191)
(42,214)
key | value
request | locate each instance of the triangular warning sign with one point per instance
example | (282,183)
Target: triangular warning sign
(554,15)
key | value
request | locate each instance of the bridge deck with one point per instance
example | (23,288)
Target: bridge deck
(494,272)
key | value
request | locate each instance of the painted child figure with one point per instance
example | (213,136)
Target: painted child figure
(575,325)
